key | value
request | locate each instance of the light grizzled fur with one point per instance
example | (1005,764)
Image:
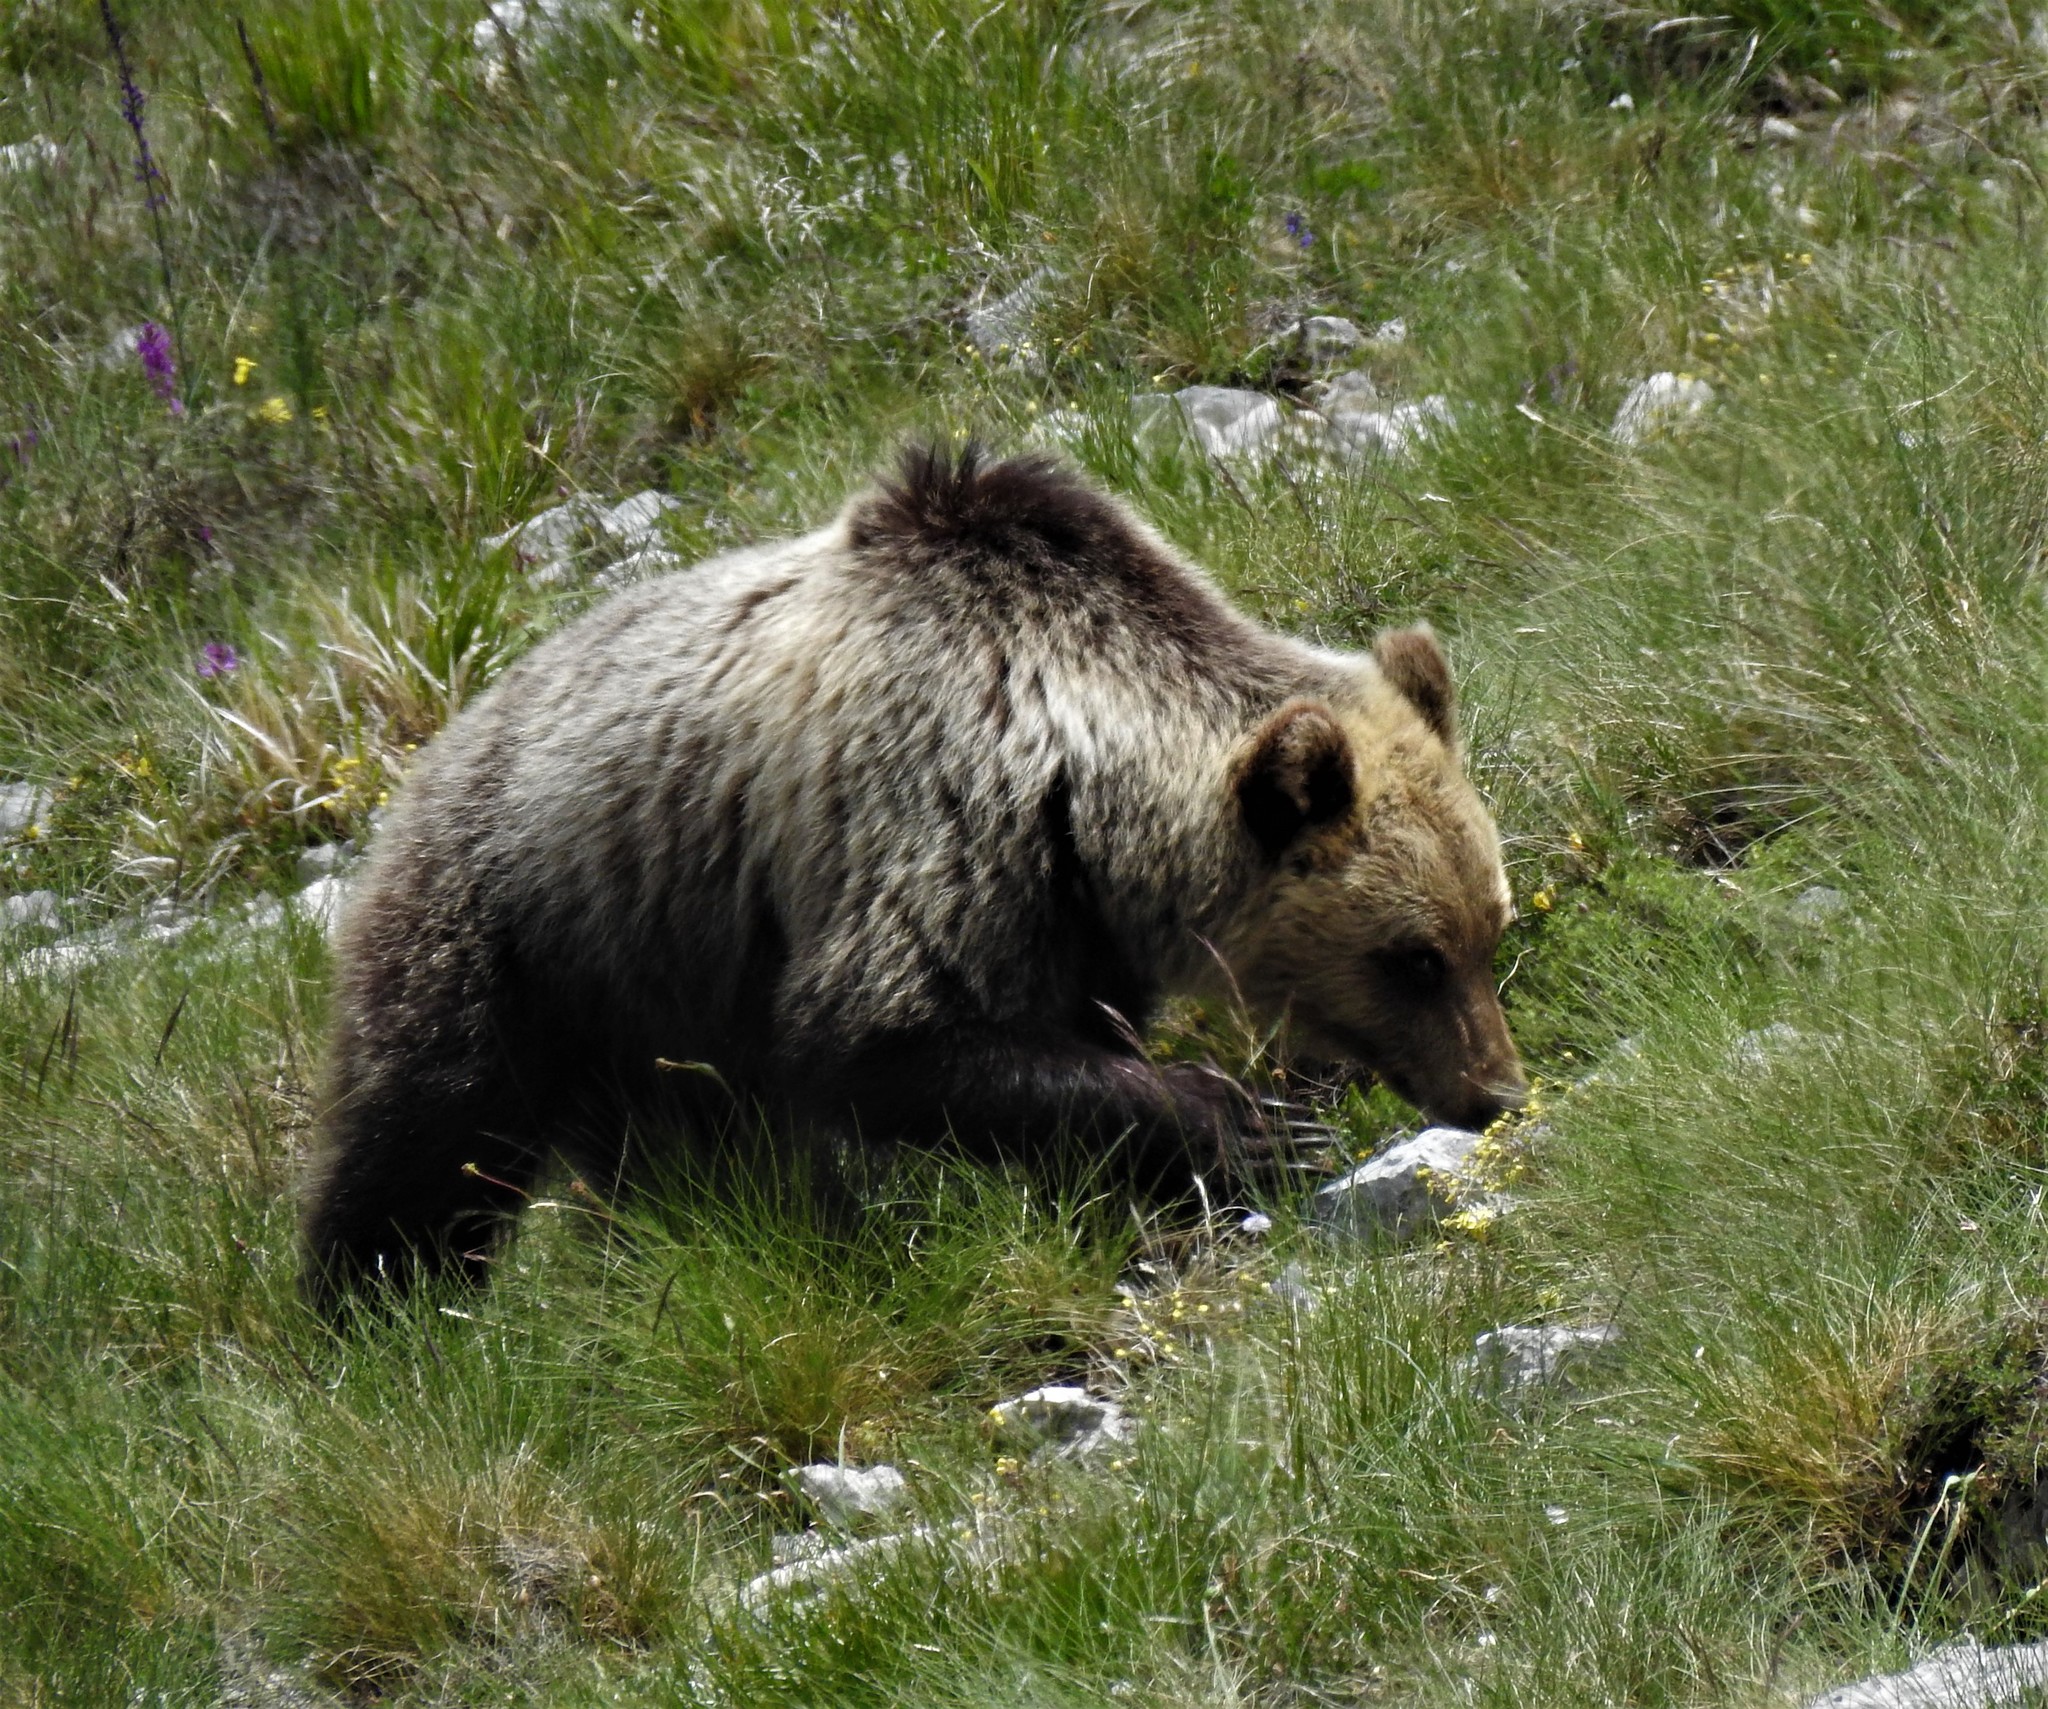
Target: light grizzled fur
(902,827)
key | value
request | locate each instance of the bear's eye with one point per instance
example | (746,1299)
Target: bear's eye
(1418,967)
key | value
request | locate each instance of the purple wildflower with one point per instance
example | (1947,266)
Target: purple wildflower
(23,444)
(1297,228)
(146,172)
(132,103)
(217,658)
(153,345)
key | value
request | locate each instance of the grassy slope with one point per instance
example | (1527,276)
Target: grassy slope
(723,248)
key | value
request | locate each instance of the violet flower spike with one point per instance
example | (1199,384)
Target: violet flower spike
(217,658)
(1297,228)
(153,345)
(132,103)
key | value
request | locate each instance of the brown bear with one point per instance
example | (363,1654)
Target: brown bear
(901,830)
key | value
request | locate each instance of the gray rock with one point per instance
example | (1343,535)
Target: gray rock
(1227,422)
(1659,405)
(38,910)
(1062,1420)
(1407,1187)
(22,805)
(553,534)
(1350,393)
(522,21)
(550,543)
(1002,329)
(36,151)
(1395,432)
(325,859)
(1291,1289)
(1389,333)
(322,902)
(1816,904)
(1324,339)
(845,1494)
(636,521)
(1962,1676)
(1765,1045)
(1517,1361)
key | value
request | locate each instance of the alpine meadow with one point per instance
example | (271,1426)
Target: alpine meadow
(1688,373)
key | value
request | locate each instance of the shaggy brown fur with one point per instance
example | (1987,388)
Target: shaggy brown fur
(903,827)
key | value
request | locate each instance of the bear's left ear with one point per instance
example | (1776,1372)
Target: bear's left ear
(1411,660)
(1296,773)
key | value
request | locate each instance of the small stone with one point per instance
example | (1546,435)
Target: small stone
(36,151)
(1325,339)
(1622,103)
(325,859)
(1517,1360)
(322,902)
(22,806)
(817,1568)
(1064,1420)
(1391,332)
(1410,1186)
(519,19)
(1229,422)
(1775,129)
(1760,1048)
(1816,905)
(1658,405)
(552,534)
(1349,393)
(1257,1222)
(1394,432)
(1002,329)
(1961,1676)
(845,1494)
(38,910)
(1291,1289)
(636,521)
(1557,1515)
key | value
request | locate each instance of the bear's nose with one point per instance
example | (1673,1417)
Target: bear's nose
(1488,1102)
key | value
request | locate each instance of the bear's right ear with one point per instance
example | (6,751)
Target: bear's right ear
(1411,660)
(1295,774)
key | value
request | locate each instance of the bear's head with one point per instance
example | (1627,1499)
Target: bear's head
(1380,898)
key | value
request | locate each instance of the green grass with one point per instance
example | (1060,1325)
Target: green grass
(725,249)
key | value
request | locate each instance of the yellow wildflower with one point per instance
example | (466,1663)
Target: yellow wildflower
(1542,901)
(244,367)
(275,411)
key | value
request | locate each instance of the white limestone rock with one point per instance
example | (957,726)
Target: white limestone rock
(1816,905)
(22,806)
(844,1495)
(1395,432)
(37,910)
(1518,1361)
(36,151)
(1062,1420)
(1408,1187)
(1326,339)
(1001,330)
(1231,423)
(322,902)
(1658,406)
(1961,1676)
